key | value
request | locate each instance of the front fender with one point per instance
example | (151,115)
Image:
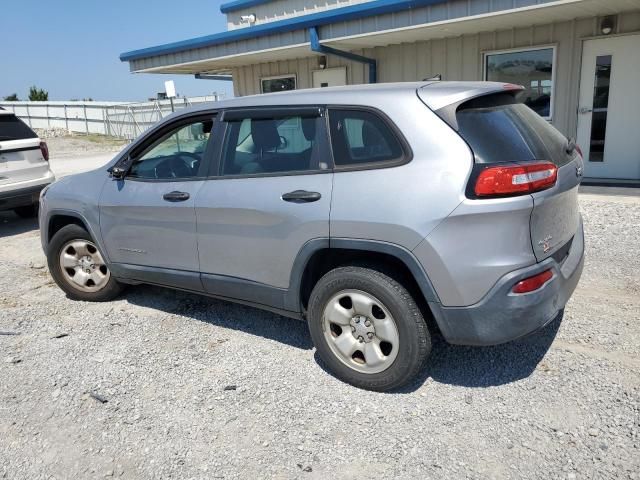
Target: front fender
(78,197)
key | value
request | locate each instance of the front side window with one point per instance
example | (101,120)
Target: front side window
(360,137)
(532,69)
(272,145)
(176,154)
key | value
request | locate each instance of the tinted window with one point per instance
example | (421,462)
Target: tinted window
(279,84)
(176,154)
(500,130)
(12,128)
(359,137)
(289,144)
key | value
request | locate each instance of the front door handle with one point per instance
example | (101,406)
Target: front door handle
(301,196)
(176,196)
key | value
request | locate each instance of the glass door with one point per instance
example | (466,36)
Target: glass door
(609,109)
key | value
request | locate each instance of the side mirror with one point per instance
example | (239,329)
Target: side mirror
(120,169)
(118,173)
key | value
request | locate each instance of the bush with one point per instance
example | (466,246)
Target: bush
(38,94)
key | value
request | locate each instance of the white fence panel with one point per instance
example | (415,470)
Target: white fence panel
(124,120)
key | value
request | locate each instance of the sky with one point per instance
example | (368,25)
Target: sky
(71,48)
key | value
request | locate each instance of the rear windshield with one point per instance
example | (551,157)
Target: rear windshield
(498,129)
(12,128)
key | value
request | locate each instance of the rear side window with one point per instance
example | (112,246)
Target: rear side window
(498,129)
(273,145)
(362,137)
(12,128)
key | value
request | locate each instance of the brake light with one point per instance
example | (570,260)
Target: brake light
(513,179)
(532,284)
(44,149)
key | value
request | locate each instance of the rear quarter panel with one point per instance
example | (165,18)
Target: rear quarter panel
(475,246)
(402,204)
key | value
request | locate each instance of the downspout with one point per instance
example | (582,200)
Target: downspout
(317,47)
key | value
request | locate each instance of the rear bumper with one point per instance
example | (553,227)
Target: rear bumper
(20,197)
(502,316)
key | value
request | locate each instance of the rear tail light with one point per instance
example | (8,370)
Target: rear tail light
(532,284)
(45,151)
(505,180)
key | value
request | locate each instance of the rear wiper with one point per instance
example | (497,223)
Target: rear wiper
(571,146)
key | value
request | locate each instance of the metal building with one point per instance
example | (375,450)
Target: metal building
(579,60)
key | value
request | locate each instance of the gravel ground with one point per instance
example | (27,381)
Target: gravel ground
(162,384)
(78,153)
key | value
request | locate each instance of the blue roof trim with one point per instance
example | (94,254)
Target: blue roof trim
(240,4)
(352,12)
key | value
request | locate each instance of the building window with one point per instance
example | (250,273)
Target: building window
(532,68)
(280,83)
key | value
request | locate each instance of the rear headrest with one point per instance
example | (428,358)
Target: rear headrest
(370,135)
(265,134)
(309,128)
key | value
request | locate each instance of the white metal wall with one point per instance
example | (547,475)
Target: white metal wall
(281,9)
(458,58)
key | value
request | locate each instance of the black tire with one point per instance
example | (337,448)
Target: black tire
(28,211)
(66,234)
(414,344)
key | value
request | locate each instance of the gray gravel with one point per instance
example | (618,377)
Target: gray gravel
(143,387)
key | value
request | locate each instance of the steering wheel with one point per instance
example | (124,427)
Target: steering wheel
(173,167)
(195,156)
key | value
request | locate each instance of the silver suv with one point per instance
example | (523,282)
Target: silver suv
(365,210)
(24,166)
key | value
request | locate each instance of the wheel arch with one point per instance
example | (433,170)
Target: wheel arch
(318,256)
(59,218)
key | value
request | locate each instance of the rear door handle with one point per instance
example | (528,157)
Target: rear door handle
(176,196)
(301,196)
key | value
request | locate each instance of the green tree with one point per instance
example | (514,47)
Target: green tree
(38,94)
(12,98)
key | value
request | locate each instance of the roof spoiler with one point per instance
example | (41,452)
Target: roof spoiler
(445,98)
